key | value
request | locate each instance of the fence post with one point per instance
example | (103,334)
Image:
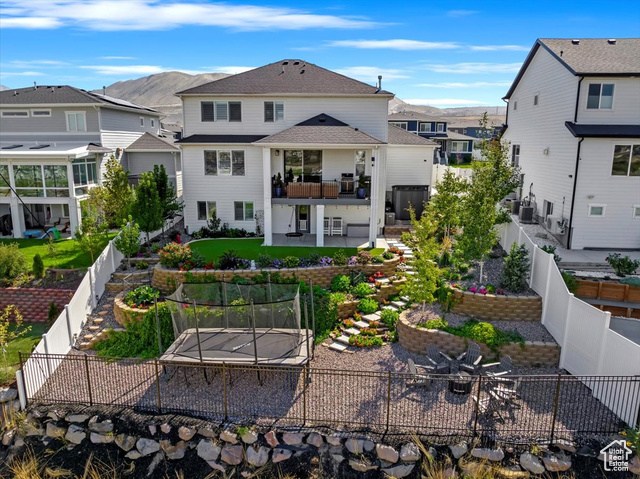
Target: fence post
(92,288)
(86,368)
(533,263)
(388,400)
(545,299)
(477,411)
(68,320)
(224,390)
(304,396)
(563,346)
(46,352)
(555,407)
(22,390)
(158,386)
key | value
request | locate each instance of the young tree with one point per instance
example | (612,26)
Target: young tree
(10,329)
(88,234)
(128,240)
(447,202)
(515,271)
(147,208)
(170,203)
(115,197)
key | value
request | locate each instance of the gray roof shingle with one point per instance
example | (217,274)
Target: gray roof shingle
(286,77)
(149,141)
(398,136)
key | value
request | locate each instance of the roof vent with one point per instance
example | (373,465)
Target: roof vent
(575,42)
(52,89)
(39,147)
(611,41)
(11,147)
(285,63)
(301,71)
(322,119)
(296,63)
(35,86)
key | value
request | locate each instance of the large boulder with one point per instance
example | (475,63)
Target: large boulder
(208,450)
(75,434)
(55,431)
(259,457)
(399,471)
(125,442)
(387,453)
(531,463)
(232,455)
(409,452)
(147,446)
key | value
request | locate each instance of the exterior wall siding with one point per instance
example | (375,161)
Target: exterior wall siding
(626,102)
(407,166)
(140,162)
(56,123)
(119,120)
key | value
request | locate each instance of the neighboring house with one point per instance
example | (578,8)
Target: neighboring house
(573,121)
(477,132)
(320,131)
(150,150)
(454,147)
(54,142)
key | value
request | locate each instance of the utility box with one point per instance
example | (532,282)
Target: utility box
(389,219)
(405,195)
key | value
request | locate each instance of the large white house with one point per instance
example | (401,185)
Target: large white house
(324,134)
(54,142)
(573,121)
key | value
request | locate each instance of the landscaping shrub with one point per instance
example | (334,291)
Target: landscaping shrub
(486,333)
(633,281)
(291,262)
(341,283)
(390,318)
(173,254)
(128,239)
(515,269)
(338,298)
(314,259)
(463,268)
(363,257)
(12,262)
(570,281)
(365,341)
(326,311)
(142,297)
(551,250)
(387,255)
(368,306)
(142,265)
(340,258)
(140,339)
(38,266)
(53,313)
(231,260)
(377,260)
(438,323)
(264,261)
(362,290)
(445,296)
(623,265)
(155,247)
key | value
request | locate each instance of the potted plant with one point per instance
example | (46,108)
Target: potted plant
(278,185)
(362,186)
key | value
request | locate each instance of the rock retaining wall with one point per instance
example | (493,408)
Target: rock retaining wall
(349,308)
(498,308)
(416,340)
(167,280)
(124,314)
(34,303)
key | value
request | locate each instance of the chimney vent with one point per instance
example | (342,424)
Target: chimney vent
(35,86)
(575,42)
(104,90)
(379,82)
(611,41)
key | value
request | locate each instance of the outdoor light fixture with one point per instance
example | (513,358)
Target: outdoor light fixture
(277,152)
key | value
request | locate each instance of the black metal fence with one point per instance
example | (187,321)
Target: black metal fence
(515,409)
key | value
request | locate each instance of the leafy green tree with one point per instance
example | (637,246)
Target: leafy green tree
(128,239)
(38,266)
(10,329)
(115,197)
(147,207)
(447,202)
(515,271)
(170,203)
(88,234)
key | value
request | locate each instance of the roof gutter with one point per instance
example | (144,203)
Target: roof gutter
(575,173)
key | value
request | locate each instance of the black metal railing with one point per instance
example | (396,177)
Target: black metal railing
(541,407)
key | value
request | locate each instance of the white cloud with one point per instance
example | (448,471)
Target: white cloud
(119,70)
(497,48)
(370,74)
(461,13)
(21,74)
(34,63)
(395,44)
(444,102)
(113,15)
(477,84)
(475,68)
(117,58)
(231,70)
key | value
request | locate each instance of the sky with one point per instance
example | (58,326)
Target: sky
(444,54)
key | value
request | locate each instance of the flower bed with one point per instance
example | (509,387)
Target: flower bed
(124,314)
(498,307)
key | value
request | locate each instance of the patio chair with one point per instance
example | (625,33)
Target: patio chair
(418,379)
(438,360)
(470,359)
(506,389)
(489,405)
(503,367)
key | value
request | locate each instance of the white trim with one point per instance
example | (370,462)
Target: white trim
(635,211)
(4,113)
(597,205)
(204,162)
(438,125)
(47,110)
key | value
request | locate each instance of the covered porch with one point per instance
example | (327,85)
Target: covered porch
(308,239)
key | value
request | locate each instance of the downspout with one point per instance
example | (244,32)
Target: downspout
(575,173)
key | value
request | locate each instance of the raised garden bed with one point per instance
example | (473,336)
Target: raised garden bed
(617,298)
(498,307)
(123,313)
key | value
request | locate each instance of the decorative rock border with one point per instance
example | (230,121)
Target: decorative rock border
(416,340)
(497,307)
(124,314)
(167,280)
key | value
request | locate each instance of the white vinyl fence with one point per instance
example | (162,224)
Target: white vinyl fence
(589,347)
(437,173)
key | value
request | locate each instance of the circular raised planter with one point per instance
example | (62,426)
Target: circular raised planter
(124,314)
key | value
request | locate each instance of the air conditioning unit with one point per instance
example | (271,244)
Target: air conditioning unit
(526,214)
(556,225)
(516,206)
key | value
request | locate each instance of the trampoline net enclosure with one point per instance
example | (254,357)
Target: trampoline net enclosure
(238,324)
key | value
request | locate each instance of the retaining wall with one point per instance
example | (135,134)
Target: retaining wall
(497,307)
(349,308)
(34,303)
(124,314)
(416,340)
(167,280)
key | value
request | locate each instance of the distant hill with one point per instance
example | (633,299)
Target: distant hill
(157,91)
(2,87)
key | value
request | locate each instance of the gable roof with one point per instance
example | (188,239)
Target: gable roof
(286,77)
(588,57)
(64,94)
(322,129)
(398,136)
(412,115)
(151,142)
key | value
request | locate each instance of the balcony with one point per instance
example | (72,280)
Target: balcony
(323,192)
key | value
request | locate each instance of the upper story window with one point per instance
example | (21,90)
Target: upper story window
(273,111)
(153,123)
(224,162)
(626,160)
(40,113)
(600,96)
(142,121)
(84,174)
(15,113)
(426,127)
(221,111)
(399,124)
(76,121)
(440,127)
(515,155)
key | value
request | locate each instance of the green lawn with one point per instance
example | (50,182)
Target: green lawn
(23,344)
(67,253)
(211,249)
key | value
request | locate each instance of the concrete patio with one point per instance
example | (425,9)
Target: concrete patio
(329,241)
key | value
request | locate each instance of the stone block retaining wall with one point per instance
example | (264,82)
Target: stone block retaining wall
(498,308)
(349,308)
(123,313)
(416,340)
(167,280)
(34,303)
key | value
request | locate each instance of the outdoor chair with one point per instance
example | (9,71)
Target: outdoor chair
(438,360)
(489,405)
(418,379)
(470,359)
(502,368)
(506,389)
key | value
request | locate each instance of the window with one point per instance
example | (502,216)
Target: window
(535,99)
(4,181)
(399,124)
(426,127)
(142,121)
(636,209)
(303,165)
(515,105)
(221,111)
(40,113)
(76,121)
(28,180)
(15,113)
(153,123)
(460,147)
(56,181)
(224,163)
(515,155)
(360,162)
(597,211)
(206,210)
(243,210)
(626,160)
(273,111)
(440,127)
(84,174)
(65,210)
(600,96)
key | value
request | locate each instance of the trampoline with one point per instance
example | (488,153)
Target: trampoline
(238,324)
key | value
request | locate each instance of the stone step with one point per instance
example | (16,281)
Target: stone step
(352,331)
(409,256)
(361,324)
(343,339)
(410,272)
(399,304)
(88,337)
(337,347)
(132,275)
(98,321)
(405,298)
(93,329)
(392,308)
(383,280)
(371,317)
(85,345)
